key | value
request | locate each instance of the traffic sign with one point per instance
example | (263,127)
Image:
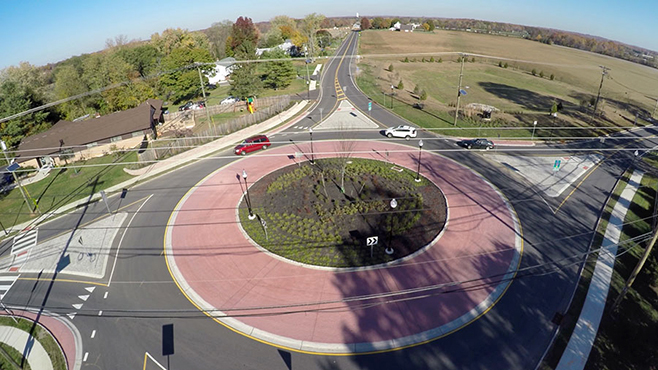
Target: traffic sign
(463,92)
(372,240)
(13,167)
(369,106)
(556,165)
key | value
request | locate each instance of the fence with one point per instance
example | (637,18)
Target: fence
(168,147)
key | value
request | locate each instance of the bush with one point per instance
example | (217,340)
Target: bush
(423,60)
(500,64)
(406,60)
(440,60)
(390,67)
(400,85)
(552,77)
(505,65)
(541,74)
(534,72)
(416,90)
(473,60)
(423,95)
(431,59)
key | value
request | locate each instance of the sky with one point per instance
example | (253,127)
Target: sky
(48,31)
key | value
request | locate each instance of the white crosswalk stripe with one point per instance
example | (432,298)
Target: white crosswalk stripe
(24,241)
(6,282)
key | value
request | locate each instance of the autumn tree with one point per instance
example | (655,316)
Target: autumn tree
(430,24)
(217,35)
(243,39)
(365,23)
(176,38)
(16,98)
(309,26)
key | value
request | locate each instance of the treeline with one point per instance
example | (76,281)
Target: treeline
(167,66)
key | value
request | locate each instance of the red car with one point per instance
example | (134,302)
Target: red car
(252,144)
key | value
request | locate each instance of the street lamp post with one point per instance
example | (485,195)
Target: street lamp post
(420,153)
(310,132)
(534,126)
(251,214)
(3,146)
(392,87)
(389,248)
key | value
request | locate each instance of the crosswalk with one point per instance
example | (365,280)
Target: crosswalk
(20,252)
(24,241)
(6,282)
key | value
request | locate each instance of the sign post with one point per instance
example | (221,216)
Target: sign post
(556,165)
(371,241)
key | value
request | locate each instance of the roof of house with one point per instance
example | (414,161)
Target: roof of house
(406,27)
(70,134)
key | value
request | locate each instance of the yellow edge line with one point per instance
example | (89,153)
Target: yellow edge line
(64,281)
(164,242)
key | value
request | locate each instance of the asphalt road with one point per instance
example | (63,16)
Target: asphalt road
(142,296)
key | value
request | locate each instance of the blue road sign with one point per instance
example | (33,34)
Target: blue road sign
(369,106)
(556,164)
(463,92)
(13,167)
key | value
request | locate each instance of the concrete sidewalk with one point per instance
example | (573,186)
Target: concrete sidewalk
(582,339)
(28,346)
(179,160)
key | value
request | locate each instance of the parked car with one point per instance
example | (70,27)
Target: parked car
(477,144)
(406,132)
(186,106)
(252,144)
(229,100)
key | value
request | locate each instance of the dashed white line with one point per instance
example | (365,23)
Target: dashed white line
(84,359)
(93,334)
(100,312)
(105,296)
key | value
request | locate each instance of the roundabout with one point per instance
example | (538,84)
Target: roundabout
(429,293)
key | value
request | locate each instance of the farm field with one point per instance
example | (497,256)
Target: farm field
(430,62)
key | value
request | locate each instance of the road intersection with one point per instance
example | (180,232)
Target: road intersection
(120,320)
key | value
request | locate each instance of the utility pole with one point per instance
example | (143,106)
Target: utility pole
(459,89)
(203,91)
(604,71)
(4,151)
(635,272)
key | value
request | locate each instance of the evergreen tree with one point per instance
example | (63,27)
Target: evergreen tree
(278,74)
(400,85)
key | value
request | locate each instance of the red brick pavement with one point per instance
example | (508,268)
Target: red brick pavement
(230,274)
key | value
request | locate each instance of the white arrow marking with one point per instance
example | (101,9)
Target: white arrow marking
(90,289)
(77,306)
(71,315)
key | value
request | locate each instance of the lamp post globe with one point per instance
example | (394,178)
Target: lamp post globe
(389,248)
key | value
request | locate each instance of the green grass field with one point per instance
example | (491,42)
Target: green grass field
(63,186)
(44,338)
(522,98)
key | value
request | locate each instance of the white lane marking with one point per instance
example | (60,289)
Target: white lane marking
(90,289)
(114,265)
(93,334)
(156,362)
(105,296)
(77,306)
(24,241)
(84,297)
(100,312)
(84,359)
(71,315)
(6,282)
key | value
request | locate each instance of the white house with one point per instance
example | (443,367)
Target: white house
(286,46)
(223,69)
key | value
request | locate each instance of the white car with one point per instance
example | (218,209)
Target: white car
(229,100)
(406,132)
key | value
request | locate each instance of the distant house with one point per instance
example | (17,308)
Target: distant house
(396,26)
(223,69)
(287,46)
(92,137)
(406,28)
